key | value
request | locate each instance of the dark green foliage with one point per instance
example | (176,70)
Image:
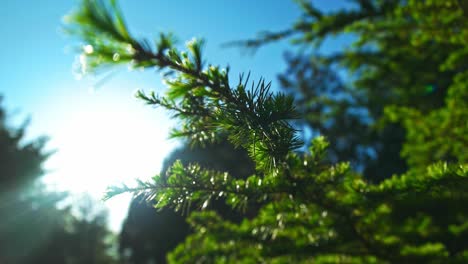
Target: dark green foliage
(148,234)
(408,72)
(20,161)
(400,57)
(340,111)
(64,237)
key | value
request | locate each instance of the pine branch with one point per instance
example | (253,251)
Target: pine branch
(254,118)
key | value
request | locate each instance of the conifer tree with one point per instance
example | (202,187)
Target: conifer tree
(148,235)
(313,211)
(32,228)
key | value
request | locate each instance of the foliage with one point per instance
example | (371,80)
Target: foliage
(399,58)
(20,161)
(314,211)
(148,235)
(64,236)
(32,228)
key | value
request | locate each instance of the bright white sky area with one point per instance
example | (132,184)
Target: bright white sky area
(107,138)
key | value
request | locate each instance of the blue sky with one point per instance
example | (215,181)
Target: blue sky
(103,135)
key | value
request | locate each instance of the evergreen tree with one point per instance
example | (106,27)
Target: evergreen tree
(74,237)
(149,235)
(408,67)
(32,228)
(399,58)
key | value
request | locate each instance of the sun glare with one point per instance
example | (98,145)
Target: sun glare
(104,144)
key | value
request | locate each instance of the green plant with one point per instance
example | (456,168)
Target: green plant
(312,211)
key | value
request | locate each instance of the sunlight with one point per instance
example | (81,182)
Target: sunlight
(104,144)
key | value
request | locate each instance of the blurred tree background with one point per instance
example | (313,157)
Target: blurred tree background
(392,102)
(148,235)
(34,228)
(255,181)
